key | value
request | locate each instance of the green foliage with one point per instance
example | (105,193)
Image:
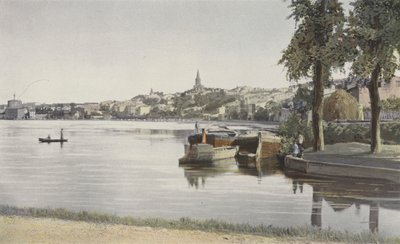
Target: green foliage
(193,115)
(210,101)
(390,133)
(319,45)
(268,113)
(182,102)
(151,101)
(318,37)
(261,114)
(374,28)
(334,133)
(290,130)
(303,99)
(156,113)
(392,104)
(218,102)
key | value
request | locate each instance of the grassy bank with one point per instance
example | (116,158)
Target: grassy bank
(308,233)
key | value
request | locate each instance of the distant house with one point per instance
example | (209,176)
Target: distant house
(130,110)
(222,110)
(143,110)
(386,90)
(282,116)
(90,108)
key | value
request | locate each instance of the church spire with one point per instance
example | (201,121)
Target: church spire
(197,84)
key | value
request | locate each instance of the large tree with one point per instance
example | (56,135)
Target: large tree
(374,27)
(314,50)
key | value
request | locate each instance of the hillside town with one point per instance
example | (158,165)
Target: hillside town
(201,102)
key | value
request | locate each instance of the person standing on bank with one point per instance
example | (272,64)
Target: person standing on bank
(300,141)
(298,147)
(61,134)
(196,127)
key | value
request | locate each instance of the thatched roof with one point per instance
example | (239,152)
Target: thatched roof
(340,105)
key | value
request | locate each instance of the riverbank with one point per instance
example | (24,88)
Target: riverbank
(354,153)
(21,225)
(351,159)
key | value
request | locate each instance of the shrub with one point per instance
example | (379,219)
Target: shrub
(291,129)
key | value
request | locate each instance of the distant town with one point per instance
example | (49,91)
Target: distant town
(200,102)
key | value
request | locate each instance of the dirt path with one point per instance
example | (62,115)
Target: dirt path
(43,230)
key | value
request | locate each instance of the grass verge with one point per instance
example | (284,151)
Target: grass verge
(307,232)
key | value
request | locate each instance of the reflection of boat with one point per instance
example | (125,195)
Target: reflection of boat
(196,174)
(216,145)
(52,140)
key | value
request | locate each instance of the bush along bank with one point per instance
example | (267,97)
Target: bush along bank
(305,232)
(335,133)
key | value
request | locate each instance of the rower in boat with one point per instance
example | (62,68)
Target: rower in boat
(48,138)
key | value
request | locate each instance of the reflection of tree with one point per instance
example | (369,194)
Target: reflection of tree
(373,216)
(316,211)
(342,193)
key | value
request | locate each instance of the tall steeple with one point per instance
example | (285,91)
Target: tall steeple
(197,85)
(198,80)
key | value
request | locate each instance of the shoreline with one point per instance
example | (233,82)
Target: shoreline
(14,229)
(251,233)
(349,160)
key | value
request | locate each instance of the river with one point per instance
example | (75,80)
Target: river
(131,168)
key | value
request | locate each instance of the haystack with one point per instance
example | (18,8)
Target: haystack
(340,105)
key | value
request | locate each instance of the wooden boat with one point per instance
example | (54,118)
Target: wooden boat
(209,147)
(52,140)
(206,153)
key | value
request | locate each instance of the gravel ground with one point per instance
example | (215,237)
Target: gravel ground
(43,230)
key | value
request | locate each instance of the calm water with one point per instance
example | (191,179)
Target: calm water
(131,168)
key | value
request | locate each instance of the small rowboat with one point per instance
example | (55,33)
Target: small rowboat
(52,140)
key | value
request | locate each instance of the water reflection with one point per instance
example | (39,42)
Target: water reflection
(260,168)
(331,198)
(343,193)
(297,185)
(196,174)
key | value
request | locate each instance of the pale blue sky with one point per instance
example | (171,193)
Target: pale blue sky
(100,50)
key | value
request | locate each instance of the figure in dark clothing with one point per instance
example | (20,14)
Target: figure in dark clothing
(298,147)
(196,127)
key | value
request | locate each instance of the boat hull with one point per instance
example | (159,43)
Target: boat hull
(52,140)
(206,153)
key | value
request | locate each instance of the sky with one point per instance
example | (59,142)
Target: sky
(91,51)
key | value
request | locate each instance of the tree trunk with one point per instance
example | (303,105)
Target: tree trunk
(319,81)
(318,129)
(375,111)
